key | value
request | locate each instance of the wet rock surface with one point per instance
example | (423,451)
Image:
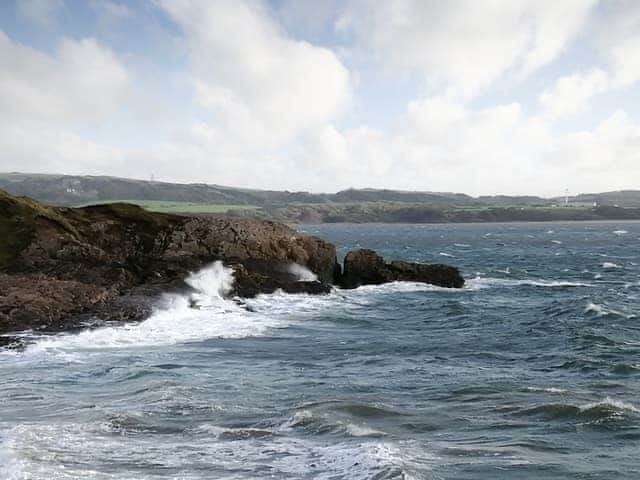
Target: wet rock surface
(366,267)
(61,268)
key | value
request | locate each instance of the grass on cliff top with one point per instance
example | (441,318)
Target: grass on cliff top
(163,206)
(17,224)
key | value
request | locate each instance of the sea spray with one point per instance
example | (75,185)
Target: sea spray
(177,318)
(213,282)
(303,274)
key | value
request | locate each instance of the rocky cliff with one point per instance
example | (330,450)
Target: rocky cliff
(61,267)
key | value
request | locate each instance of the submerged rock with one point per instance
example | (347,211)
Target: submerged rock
(366,267)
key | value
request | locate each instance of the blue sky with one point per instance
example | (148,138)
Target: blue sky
(492,97)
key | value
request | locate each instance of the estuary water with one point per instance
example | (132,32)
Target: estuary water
(531,371)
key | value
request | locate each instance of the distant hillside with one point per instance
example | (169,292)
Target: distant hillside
(622,198)
(75,190)
(352,205)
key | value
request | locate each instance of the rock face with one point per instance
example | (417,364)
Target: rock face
(366,267)
(63,267)
(59,263)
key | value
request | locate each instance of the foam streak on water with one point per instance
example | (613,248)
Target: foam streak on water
(530,371)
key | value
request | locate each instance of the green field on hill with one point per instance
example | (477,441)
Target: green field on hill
(176,207)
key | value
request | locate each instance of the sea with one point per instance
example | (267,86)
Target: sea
(531,371)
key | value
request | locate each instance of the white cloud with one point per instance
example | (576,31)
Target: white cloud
(44,98)
(42,13)
(28,147)
(466,45)
(611,150)
(571,94)
(82,83)
(259,82)
(442,145)
(619,39)
(269,110)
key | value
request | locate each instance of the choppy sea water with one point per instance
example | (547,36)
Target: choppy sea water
(531,371)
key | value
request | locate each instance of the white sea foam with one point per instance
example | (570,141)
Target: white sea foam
(557,242)
(362,430)
(609,265)
(620,232)
(202,314)
(68,451)
(444,254)
(608,402)
(602,310)
(302,273)
(488,282)
(546,389)
(461,245)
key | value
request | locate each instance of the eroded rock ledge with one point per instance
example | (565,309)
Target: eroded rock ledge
(63,267)
(366,267)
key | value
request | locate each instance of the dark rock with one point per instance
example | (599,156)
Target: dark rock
(267,278)
(366,267)
(66,268)
(61,266)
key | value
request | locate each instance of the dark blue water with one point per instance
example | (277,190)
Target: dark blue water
(531,371)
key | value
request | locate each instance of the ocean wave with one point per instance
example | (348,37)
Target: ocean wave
(595,412)
(620,232)
(603,310)
(233,434)
(329,422)
(488,282)
(202,314)
(546,389)
(73,451)
(625,369)
(609,265)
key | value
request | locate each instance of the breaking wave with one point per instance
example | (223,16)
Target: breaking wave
(610,265)
(602,310)
(178,318)
(596,412)
(69,451)
(488,282)
(302,273)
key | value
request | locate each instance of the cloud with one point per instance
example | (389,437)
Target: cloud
(258,82)
(254,104)
(571,94)
(82,83)
(619,37)
(464,46)
(441,144)
(45,98)
(42,13)
(110,12)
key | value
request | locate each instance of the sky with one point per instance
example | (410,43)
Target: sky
(480,97)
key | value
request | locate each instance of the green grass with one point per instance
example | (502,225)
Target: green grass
(164,206)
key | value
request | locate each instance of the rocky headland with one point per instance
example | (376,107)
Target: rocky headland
(65,268)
